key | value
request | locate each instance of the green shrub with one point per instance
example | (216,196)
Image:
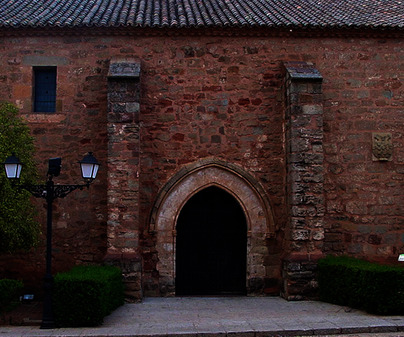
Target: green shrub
(18,227)
(360,284)
(86,294)
(10,290)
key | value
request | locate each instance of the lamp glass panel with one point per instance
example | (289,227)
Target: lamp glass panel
(86,170)
(19,167)
(95,171)
(13,170)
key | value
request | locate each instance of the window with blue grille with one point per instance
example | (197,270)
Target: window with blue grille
(45,89)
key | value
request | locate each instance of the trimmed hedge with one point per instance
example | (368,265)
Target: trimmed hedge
(10,290)
(86,294)
(375,288)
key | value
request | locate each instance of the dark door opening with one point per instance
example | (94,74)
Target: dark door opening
(211,248)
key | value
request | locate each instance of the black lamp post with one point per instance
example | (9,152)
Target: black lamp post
(50,191)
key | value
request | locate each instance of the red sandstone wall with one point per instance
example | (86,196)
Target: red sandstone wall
(363,93)
(218,97)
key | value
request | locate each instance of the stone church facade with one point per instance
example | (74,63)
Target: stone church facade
(234,153)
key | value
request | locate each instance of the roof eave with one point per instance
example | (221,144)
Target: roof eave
(233,30)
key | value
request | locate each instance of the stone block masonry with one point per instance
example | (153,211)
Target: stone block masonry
(153,104)
(364,197)
(123,173)
(123,156)
(305,178)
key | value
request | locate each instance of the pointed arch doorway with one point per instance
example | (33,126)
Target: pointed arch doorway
(211,245)
(190,181)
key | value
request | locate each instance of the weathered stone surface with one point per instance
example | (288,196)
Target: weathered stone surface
(299,277)
(131,267)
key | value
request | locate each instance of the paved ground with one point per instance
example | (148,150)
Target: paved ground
(229,317)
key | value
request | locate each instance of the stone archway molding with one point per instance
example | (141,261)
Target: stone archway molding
(231,172)
(187,182)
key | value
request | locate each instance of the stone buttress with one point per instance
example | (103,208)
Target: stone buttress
(123,173)
(305,179)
